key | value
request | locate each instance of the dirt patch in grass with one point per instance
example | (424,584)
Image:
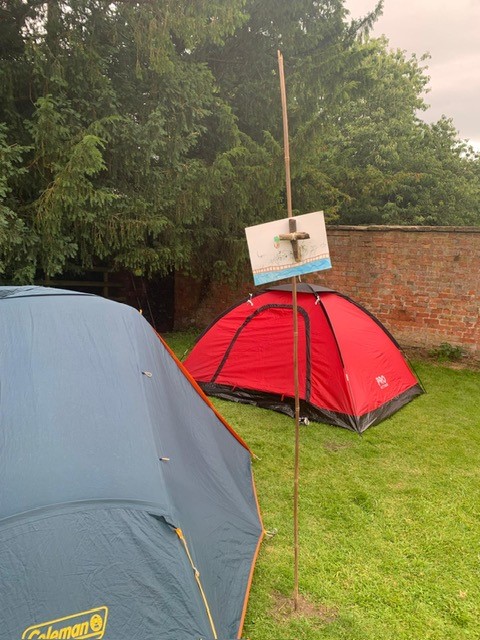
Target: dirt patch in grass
(283,609)
(336,446)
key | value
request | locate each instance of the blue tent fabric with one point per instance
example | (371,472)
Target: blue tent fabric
(126,502)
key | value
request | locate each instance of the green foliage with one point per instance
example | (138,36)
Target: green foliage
(14,235)
(147,135)
(358,147)
(447,352)
(111,110)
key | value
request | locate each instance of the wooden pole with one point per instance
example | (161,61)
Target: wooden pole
(292,229)
(286,149)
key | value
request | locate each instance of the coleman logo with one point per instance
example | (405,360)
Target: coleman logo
(87,624)
(382,382)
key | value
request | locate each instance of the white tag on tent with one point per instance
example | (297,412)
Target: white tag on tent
(273,259)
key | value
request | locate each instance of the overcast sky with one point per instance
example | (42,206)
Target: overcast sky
(450,32)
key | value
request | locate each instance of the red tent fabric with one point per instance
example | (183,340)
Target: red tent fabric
(352,371)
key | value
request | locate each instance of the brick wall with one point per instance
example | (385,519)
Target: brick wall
(423,283)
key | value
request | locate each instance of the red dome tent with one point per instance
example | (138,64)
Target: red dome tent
(352,372)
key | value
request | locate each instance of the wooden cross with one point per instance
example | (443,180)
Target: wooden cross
(294,236)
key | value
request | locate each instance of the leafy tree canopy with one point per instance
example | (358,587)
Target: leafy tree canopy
(147,134)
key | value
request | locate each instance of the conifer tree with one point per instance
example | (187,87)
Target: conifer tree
(147,134)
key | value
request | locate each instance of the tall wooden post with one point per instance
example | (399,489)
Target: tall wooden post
(292,225)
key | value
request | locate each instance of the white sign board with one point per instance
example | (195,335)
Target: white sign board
(272,258)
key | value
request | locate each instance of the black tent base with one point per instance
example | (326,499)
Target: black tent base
(286,405)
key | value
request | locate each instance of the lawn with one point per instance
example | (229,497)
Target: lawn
(389,521)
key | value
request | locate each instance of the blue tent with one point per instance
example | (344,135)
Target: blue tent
(127,505)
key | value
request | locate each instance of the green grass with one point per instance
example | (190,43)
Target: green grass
(389,521)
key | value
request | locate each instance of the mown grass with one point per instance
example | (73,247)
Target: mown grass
(389,521)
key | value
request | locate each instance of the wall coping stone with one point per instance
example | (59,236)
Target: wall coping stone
(404,228)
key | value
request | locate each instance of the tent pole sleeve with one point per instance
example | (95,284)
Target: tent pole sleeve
(196,572)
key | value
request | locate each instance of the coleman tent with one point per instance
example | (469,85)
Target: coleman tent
(127,506)
(351,370)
